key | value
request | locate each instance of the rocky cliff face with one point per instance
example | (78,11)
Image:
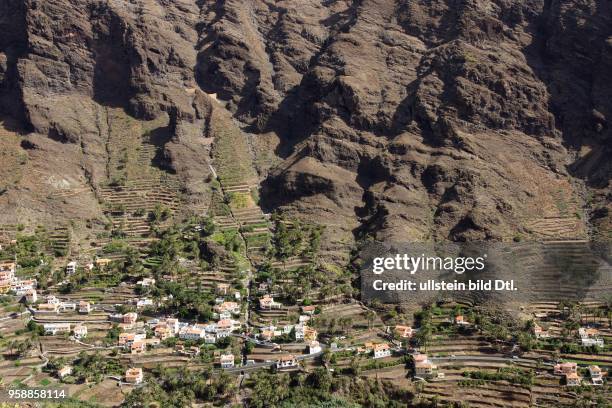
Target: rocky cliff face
(412,119)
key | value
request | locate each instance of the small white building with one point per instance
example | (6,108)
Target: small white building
(191,333)
(145,302)
(64,371)
(227,361)
(267,302)
(146,282)
(84,307)
(53,329)
(134,375)
(299,331)
(71,268)
(592,341)
(286,361)
(80,331)
(52,300)
(382,350)
(595,374)
(67,307)
(31,296)
(314,347)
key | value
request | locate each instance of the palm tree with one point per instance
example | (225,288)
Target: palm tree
(370,317)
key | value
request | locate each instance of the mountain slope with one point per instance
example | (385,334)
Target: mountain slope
(388,118)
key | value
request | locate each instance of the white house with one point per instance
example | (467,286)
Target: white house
(227,360)
(52,300)
(134,375)
(55,328)
(382,350)
(140,303)
(299,331)
(225,327)
(146,282)
(595,373)
(588,337)
(31,296)
(64,371)
(286,361)
(67,307)
(71,268)
(84,307)
(80,331)
(314,347)
(191,333)
(267,302)
(423,367)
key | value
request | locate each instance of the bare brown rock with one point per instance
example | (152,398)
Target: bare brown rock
(406,119)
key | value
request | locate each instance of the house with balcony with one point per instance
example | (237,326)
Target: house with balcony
(134,375)
(226,361)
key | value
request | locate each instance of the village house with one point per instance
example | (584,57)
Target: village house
(565,368)
(144,302)
(460,321)
(134,375)
(53,329)
(225,327)
(299,331)
(52,300)
(286,361)
(595,374)
(191,333)
(423,368)
(31,296)
(314,347)
(84,307)
(379,350)
(79,331)
(588,337)
(64,371)
(403,332)
(152,342)
(228,307)
(310,334)
(173,324)
(163,332)
(71,268)
(309,310)
(572,379)
(102,263)
(266,335)
(146,282)
(48,307)
(267,302)
(8,266)
(5,286)
(226,360)
(210,338)
(539,332)
(67,307)
(138,347)
(129,318)
(222,288)
(126,339)
(20,287)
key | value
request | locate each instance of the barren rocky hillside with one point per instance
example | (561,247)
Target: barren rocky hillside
(441,119)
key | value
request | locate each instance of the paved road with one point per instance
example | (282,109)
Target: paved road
(493,359)
(11,316)
(255,366)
